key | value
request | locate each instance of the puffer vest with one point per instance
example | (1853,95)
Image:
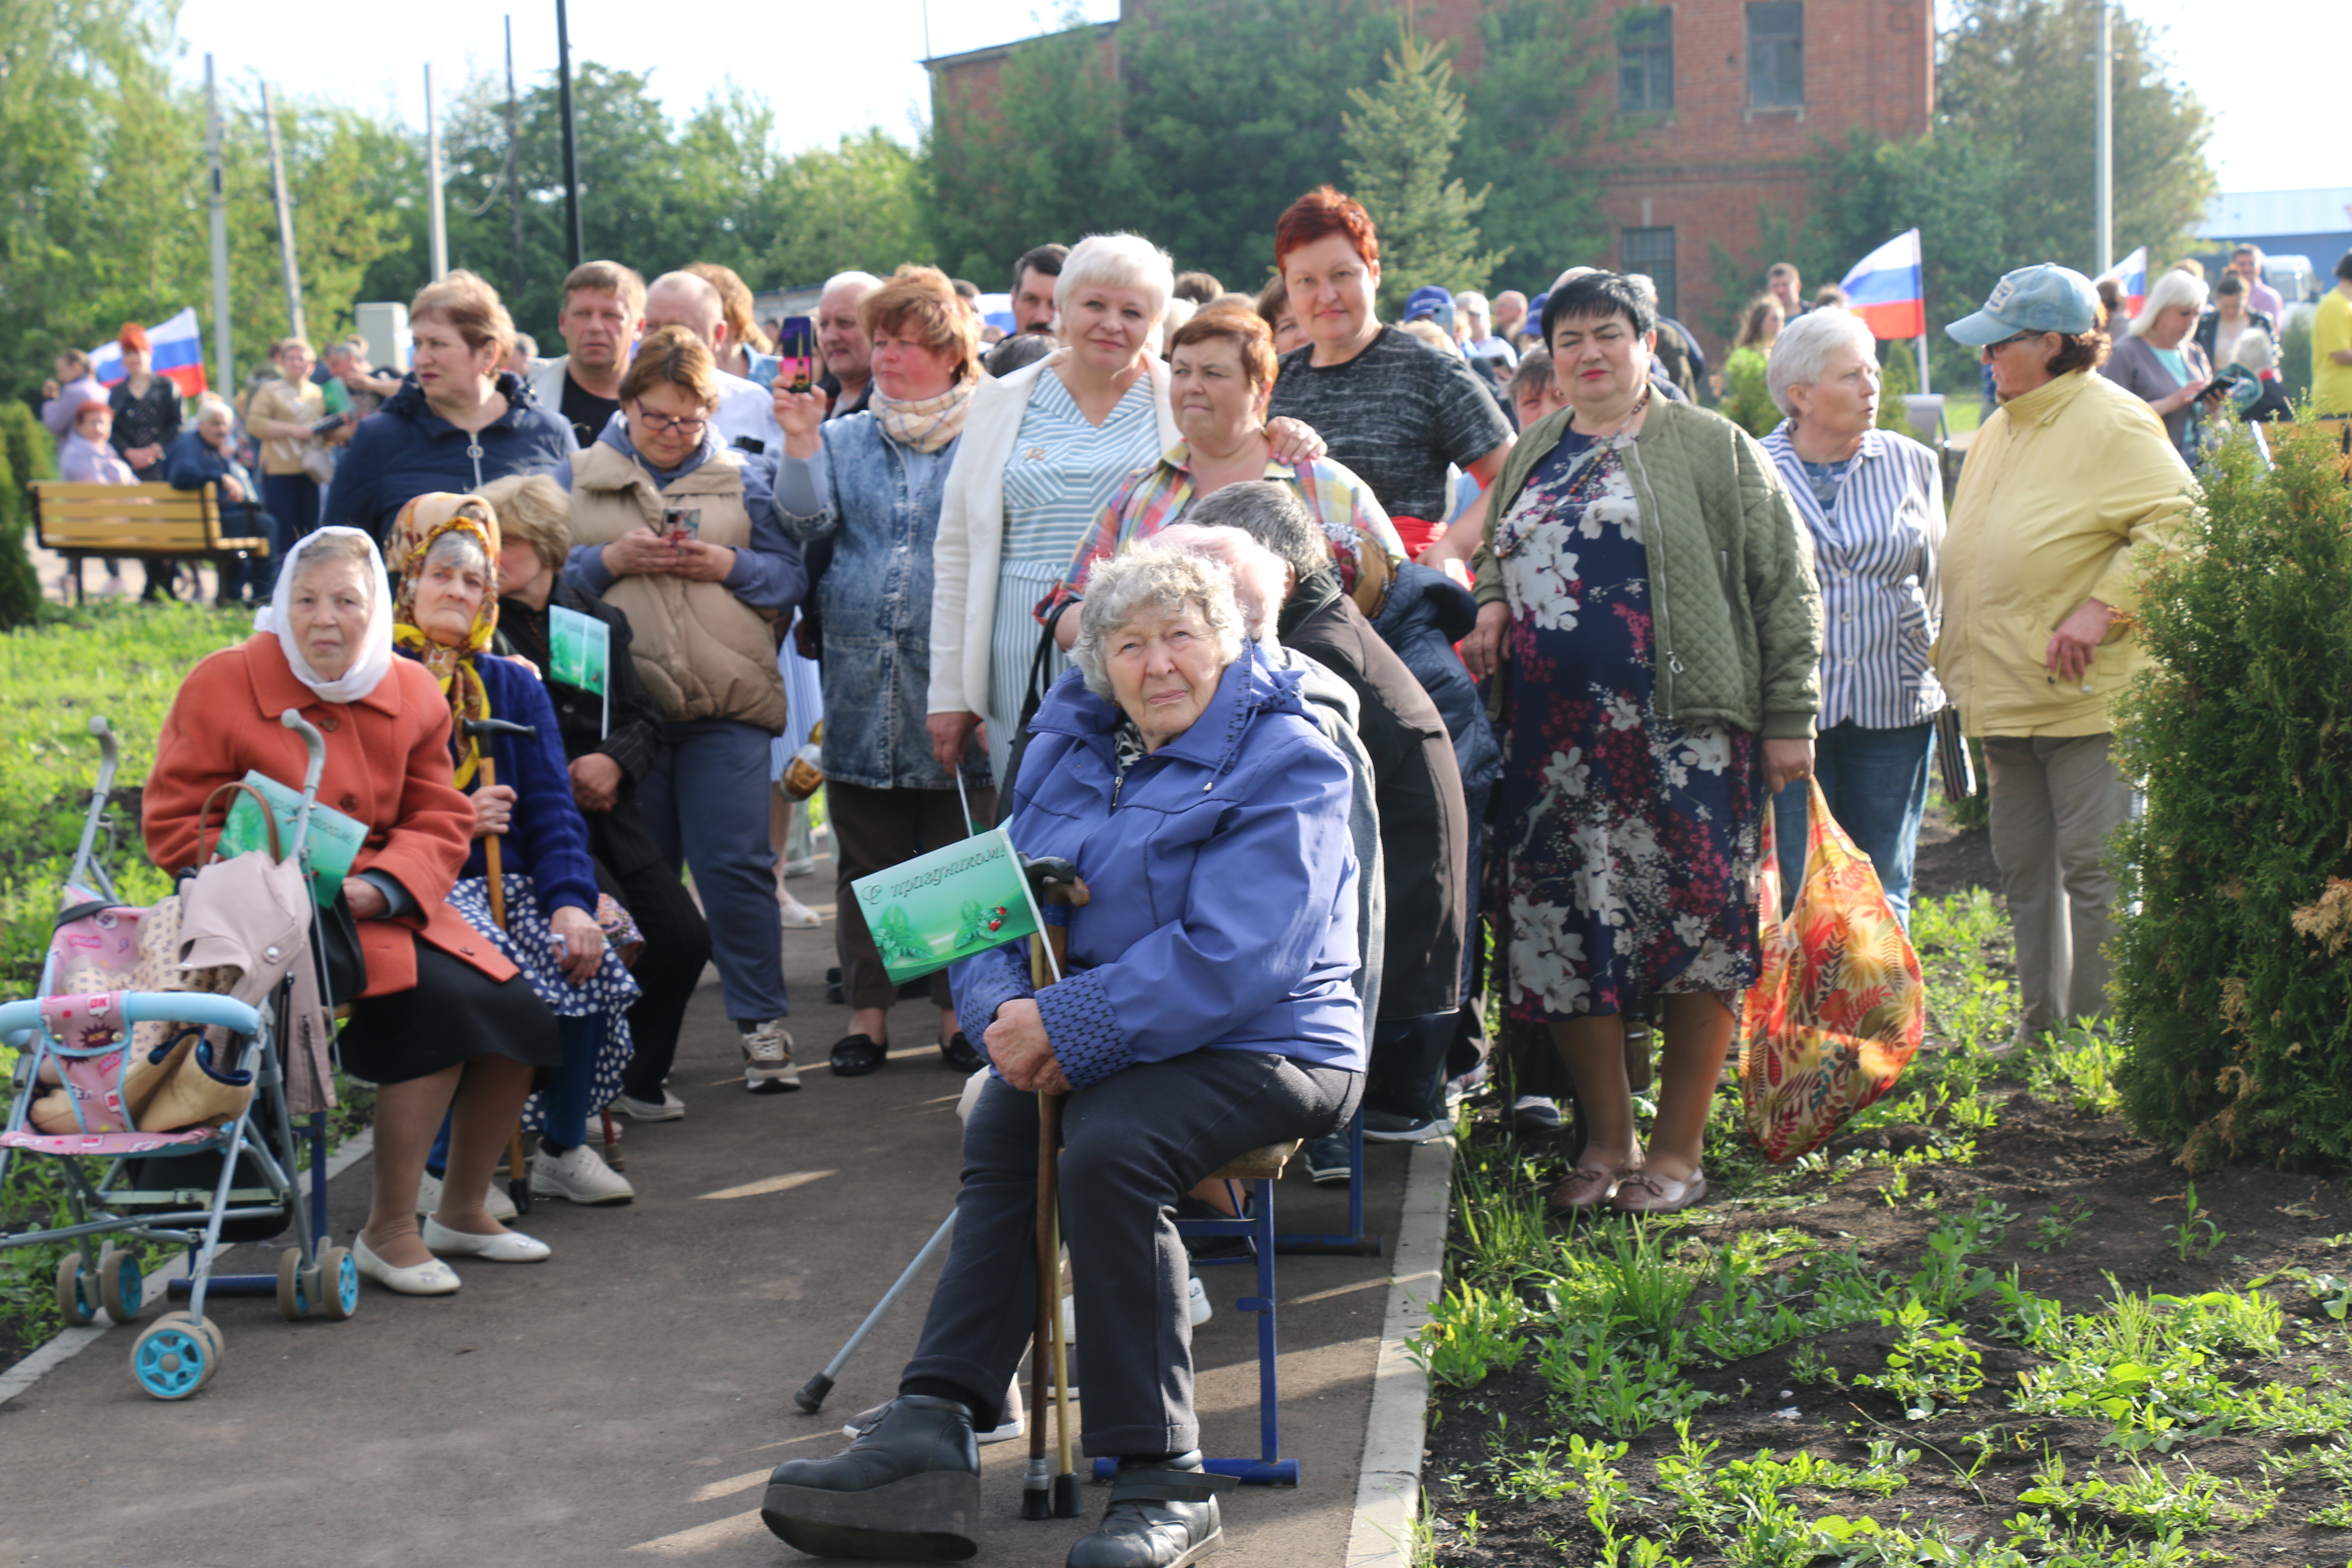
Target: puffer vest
(701,651)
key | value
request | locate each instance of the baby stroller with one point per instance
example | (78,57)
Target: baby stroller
(154,1069)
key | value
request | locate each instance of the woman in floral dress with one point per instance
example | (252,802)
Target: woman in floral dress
(1645,578)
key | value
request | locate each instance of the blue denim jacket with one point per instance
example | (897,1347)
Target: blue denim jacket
(875,600)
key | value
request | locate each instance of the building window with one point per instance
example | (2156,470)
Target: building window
(1651,252)
(1645,61)
(1776,54)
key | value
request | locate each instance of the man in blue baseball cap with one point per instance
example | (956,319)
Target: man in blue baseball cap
(2061,484)
(1432,303)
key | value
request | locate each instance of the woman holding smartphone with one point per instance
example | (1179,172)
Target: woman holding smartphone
(675,531)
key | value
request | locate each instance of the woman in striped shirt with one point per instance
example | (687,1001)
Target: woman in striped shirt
(1874,502)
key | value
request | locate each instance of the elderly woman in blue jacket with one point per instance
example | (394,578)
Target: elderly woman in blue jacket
(869,484)
(1207,1011)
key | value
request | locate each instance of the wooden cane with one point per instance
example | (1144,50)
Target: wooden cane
(1036,1482)
(518,1162)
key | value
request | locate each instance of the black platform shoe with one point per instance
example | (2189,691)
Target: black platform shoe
(907,1490)
(1162,1514)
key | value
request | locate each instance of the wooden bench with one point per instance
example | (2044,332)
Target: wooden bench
(78,520)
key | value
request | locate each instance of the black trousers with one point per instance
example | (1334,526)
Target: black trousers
(1132,1145)
(677,945)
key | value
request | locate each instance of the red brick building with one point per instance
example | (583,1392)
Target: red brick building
(1716,104)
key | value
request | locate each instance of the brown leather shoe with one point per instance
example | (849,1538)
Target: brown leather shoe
(1646,1192)
(1584,1189)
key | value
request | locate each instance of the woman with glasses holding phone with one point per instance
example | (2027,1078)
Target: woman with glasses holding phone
(704,602)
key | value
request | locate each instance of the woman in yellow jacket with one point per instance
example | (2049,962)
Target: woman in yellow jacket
(2063,484)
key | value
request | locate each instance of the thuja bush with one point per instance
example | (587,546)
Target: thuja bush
(2233,984)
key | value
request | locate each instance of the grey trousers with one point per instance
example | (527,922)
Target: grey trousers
(2056,800)
(1132,1145)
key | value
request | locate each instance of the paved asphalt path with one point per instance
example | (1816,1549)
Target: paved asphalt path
(625,1401)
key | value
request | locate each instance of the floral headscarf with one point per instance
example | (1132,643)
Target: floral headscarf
(422,523)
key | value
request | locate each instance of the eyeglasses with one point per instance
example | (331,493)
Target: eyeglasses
(2016,338)
(663,422)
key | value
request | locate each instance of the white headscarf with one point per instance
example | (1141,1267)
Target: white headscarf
(373,661)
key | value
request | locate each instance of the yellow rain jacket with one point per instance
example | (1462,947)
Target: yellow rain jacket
(2059,488)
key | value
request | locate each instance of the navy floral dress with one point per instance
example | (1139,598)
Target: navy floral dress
(1627,845)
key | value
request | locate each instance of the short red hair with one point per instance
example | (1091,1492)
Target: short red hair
(1321,212)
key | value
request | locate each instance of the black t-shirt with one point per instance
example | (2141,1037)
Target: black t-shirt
(586,413)
(1397,413)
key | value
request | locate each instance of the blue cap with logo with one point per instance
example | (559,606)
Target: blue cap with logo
(1431,301)
(2043,297)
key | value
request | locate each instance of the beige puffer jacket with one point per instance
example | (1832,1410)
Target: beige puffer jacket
(702,652)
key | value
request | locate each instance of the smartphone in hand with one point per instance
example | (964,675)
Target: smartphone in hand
(680,523)
(796,345)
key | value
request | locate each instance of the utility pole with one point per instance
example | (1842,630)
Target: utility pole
(575,239)
(514,164)
(224,361)
(2107,132)
(437,217)
(295,324)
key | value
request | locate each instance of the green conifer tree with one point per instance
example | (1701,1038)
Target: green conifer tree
(1400,160)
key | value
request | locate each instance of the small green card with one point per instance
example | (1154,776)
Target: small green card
(928,913)
(581,646)
(334,843)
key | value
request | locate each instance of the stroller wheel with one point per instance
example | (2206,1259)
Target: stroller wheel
(293,1299)
(210,1329)
(121,1284)
(338,1284)
(174,1359)
(74,1295)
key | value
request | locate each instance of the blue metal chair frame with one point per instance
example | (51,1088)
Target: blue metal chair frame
(1355,1243)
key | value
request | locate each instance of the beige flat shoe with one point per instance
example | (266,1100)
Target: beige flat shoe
(1646,1192)
(1584,1189)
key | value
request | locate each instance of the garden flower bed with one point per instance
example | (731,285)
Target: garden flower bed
(1987,1325)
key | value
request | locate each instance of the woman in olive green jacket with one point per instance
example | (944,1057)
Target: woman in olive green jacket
(1651,586)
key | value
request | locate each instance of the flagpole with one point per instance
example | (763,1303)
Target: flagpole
(225,366)
(1920,342)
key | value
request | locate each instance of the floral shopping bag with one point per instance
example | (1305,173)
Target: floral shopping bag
(1840,1007)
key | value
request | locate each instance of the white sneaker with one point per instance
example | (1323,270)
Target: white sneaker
(428,1198)
(669,1109)
(1200,1310)
(768,1060)
(580,1176)
(805,866)
(798,916)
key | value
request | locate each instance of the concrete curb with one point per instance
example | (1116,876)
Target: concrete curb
(70,1342)
(1388,1490)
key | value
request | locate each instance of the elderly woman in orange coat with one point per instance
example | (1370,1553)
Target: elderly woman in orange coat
(325,650)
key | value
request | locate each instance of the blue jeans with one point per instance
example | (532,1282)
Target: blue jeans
(706,804)
(293,503)
(1877,784)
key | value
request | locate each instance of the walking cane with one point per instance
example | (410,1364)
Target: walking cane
(1052,882)
(518,1163)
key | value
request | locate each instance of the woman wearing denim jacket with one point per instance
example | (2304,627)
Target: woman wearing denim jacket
(871,483)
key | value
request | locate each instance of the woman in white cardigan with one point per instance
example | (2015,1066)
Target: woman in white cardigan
(1043,450)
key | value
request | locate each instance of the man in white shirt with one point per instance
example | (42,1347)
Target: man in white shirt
(747,412)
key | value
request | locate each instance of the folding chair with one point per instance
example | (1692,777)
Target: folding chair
(1258,1170)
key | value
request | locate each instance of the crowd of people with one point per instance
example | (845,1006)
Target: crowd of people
(1323,645)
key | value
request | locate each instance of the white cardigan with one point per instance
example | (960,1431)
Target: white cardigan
(968,547)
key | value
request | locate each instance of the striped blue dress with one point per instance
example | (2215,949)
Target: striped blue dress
(1061,475)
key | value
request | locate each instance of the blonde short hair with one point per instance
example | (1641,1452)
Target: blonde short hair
(1117,261)
(471,308)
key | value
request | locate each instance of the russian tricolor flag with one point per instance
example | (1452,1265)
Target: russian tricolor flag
(2131,276)
(178,350)
(1886,290)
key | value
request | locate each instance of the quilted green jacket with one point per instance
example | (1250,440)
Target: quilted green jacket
(1737,611)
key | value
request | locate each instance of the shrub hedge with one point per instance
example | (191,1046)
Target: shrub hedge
(2233,981)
